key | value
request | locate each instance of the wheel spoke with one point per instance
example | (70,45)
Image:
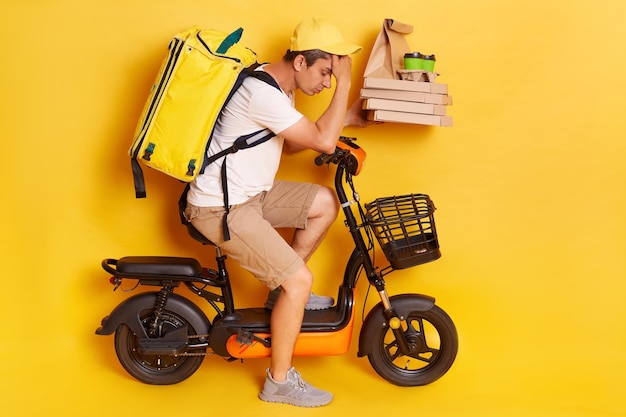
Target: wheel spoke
(392,350)
(427,355)
(412,328)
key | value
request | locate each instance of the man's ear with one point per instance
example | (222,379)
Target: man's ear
(299,63)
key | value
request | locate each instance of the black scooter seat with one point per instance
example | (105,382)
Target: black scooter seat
(159,265)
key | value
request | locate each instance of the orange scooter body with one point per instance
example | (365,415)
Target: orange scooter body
(356,151)
(308,344)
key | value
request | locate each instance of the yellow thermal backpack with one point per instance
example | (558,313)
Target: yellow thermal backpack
(201,71)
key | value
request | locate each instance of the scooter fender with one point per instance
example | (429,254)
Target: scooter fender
(403,304)
(129,312)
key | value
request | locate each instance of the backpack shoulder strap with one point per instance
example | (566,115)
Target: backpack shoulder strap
(243,142)
(252,139)
(261,75)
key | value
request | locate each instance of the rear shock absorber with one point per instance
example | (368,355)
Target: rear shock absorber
(154,327)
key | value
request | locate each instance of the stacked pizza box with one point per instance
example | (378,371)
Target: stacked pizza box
(406,100)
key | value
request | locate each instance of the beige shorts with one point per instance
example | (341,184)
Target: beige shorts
(254,242)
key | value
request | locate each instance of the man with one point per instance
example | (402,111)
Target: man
(259,204)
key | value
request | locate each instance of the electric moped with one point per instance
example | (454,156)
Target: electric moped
(162,337)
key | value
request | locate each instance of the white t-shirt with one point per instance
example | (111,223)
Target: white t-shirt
(256,105)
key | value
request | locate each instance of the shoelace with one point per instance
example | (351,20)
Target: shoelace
(302,385)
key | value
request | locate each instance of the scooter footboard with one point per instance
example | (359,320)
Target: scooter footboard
(247,345)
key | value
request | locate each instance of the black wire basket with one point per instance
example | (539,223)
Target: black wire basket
(405,228)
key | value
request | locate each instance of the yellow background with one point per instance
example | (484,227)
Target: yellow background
(529,185)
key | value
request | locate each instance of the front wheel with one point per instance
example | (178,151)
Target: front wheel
(433,344)
(157,369)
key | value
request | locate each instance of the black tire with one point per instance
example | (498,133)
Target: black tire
(434,342)
(157,369)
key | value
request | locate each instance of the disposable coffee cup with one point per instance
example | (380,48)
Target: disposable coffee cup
(413,61)
(428,63)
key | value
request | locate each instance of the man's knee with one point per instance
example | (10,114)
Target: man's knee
(325,203)
(300,283)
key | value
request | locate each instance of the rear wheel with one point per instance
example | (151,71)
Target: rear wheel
(433,344)
(157,369)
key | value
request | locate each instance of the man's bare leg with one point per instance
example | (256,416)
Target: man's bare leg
(287,313)
(286,321)
(322,214)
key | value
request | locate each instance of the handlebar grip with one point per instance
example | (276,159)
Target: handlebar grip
(322,158)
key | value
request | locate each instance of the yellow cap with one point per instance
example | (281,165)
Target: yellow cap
(323,35)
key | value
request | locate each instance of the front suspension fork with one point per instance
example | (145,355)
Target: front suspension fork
(395,322)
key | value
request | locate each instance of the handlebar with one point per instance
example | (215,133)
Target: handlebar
(347,153)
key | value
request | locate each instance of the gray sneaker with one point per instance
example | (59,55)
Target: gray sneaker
(294,391)
(316,302)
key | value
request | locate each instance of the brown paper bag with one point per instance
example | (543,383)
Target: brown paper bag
(388,52)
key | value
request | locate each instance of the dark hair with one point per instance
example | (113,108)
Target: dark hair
(310,56)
